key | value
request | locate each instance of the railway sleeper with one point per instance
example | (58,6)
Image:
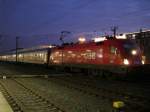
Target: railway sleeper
(13,103)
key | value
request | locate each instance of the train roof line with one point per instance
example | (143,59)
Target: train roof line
(136,32)
(38,47)
(85,44)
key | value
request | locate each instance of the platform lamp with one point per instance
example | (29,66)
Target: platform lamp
(17,38)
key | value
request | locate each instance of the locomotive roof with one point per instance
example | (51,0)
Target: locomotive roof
(92,43)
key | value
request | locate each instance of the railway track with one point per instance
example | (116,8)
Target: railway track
(23,99)
(133,102)
(73,100)
(27,98)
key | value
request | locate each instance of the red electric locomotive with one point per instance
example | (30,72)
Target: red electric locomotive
(109,54)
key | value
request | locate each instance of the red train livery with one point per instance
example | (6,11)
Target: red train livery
(112,55)
(107,52)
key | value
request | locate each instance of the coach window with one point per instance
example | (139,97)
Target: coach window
(93,55)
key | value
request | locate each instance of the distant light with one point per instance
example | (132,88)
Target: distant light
(133,36)
(20,55)
(123,36)
(50,46)
(81,39)
(46,46)
(133,52)
(99,39)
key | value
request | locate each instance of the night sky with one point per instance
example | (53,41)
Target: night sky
(39,22)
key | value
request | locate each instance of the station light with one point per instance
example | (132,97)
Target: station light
(99,39)
(51,46)
(81,40)
(121,36)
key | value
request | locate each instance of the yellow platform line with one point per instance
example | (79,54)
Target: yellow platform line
(4,106)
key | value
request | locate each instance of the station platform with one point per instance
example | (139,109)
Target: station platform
(4,106)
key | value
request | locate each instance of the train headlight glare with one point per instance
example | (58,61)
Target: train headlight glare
(134,52)
(126,62)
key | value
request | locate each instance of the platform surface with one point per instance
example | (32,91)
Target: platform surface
(4,106)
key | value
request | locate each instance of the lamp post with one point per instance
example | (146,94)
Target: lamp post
(17,49)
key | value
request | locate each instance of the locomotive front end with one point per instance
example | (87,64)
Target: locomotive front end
(132,54)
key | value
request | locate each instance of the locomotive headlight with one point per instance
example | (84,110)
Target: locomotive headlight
(126,62)
(133,52)
(143,62)
(143,59)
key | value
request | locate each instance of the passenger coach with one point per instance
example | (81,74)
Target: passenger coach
(37,55)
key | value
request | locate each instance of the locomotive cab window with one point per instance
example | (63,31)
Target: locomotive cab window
(128,47)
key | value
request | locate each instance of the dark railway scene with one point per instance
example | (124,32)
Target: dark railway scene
(74,56)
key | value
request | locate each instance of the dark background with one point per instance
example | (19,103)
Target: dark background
(39,22)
